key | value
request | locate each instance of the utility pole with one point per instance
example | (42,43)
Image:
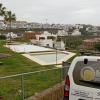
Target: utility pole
(56,51)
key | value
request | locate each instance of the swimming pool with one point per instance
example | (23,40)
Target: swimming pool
(21,48)
(47,58)
(50,57)
(41,55)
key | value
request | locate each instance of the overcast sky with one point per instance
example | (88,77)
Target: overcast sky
(56,11)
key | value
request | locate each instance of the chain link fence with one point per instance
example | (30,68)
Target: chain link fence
(22,86)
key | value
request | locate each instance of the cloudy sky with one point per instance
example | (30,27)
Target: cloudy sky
(56,11)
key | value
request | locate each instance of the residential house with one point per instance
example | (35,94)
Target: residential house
(89,43)
(76,32)
(11,35)
(62,33)
(30,35)
(48,40)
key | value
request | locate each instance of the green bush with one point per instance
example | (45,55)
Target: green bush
(97,46)
(2,37)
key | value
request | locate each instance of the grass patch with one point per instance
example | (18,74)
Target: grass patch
(16,64)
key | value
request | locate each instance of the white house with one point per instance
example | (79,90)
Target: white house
(48,40)
(2,25)
(11,35)
(62,33)
(76,32)
(45,39)
(60,45)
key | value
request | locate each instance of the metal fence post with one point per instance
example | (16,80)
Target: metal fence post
(62,71)
(22,87)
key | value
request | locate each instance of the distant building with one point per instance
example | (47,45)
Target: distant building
(62,33)
(2,24)
(60,45)
(76,32)
(45,39)
(30,35)
(89,43)
(78,26)
(16,24)
(11,35)
(48,40)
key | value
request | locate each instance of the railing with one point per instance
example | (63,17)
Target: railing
(21,86)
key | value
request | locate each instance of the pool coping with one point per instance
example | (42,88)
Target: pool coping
(70,54)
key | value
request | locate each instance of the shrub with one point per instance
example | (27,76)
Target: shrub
(2,37)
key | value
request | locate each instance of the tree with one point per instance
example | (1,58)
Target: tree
(83,30)
(97,46)
(72,42)
(9,17)
(70,30)
(2,37)
(2,10)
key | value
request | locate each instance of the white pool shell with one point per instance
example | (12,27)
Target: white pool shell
(43,62)
(31,50)
(27,48)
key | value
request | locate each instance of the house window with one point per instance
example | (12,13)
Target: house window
(48,45)
(41,38)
